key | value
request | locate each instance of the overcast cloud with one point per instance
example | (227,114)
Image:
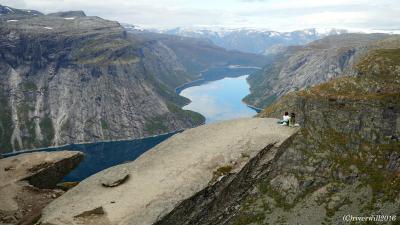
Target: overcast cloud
(280,15)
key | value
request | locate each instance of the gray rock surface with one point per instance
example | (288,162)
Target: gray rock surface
(343,161)
(301,67)
(178,169)
(27,180)
(114,177)
(70,78)
(68,14)
(80,79)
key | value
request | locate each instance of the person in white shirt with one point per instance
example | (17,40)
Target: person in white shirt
(285,120)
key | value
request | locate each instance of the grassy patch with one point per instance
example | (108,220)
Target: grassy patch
(250,218)
(223,170)
(66,126)
(156,125)
(5,125)
(29,86)
(278,197)
(371,164)
(194,117)
(46,125)
(101,51)
(104,124)
(29,140)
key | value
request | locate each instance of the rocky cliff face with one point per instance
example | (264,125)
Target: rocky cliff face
(180,181)
(68,78)
(198,55)
(82,79)
(346,158)
(298,67)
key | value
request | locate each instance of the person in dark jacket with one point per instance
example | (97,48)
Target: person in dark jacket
(292,120)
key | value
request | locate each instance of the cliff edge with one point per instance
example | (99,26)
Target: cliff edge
(28,183)
(196,165)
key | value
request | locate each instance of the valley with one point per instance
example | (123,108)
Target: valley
(86,79)
(252,40)
(106,123)
(219,100)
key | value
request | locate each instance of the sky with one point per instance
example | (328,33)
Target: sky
(279,15)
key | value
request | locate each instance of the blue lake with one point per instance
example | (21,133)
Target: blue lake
(102,155)
(220,100)
(214,96)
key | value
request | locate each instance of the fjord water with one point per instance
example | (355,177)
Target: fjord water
(220,100)
(102,155)
(217,98)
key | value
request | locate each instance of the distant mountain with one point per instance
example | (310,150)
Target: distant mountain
(198,54)
(346,157)
(12,12)
(300,67)
(256,41)
(68,14)
(70,78)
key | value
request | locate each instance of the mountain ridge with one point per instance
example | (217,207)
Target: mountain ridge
(301,67)
(252,40)
(71,78)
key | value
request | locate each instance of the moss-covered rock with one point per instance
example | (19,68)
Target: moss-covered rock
(346,158)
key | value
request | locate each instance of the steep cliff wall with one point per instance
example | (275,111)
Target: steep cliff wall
(180,181)
(346,158)
(80,79)
(198,55)
(299,67)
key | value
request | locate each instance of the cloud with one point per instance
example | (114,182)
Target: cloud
(271,14)
(14,3)
(253,0)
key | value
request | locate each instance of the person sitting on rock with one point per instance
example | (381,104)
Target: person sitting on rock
(292,120)
(285,120)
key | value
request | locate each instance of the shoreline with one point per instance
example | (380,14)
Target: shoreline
(189,84)
(258,110)
(51,148)
(202,80)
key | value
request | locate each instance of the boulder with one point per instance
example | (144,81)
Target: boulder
(113,178)
(27,181)
(180,168)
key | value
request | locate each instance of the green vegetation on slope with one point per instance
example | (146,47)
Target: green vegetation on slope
(158,124)
(345,159)
(196,118)
(5,125)
(301,67)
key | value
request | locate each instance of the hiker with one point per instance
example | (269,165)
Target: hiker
(285,120)
(292,120)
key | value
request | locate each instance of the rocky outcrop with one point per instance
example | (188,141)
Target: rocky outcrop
(179,180)
(12,13)
(80,79)
(299,67)
(28,182)
(70,78)
(345,159)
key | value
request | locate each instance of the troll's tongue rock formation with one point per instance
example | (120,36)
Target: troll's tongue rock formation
(188,171)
